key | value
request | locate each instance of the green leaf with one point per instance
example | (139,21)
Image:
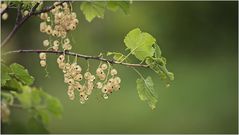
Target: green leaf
(159,66)
(93,9)
(21,74)
(5,74)
(13,85)
(43,114)
(115,5)
(35,125)
(25,97)
(158,52)
(140,43)
(146,91)
(117,56)
(7,97)
(54,106)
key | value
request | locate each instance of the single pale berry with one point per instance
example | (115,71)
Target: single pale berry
(102,77)
(56,43)
(46,43)
(99,71)
(43,63)
(117,80)
(99,85)
(42,56)
(5,16)
(104,66)
(78,77)
(61,65)
(113,72)
(66,41)
(104,89)
(55,48)
(105,96)
(87,75)
(26,12)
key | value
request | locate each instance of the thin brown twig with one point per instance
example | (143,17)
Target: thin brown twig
(19,23)
(78,55)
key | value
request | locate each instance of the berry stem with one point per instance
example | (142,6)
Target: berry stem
(78,55)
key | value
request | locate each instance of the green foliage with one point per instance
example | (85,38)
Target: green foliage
(140,43)
(15,86)
(21,74)
(93,9)
(4,74)
(146,91)
(115,5)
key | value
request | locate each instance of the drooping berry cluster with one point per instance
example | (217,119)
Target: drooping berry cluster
(110,85)
(57,24)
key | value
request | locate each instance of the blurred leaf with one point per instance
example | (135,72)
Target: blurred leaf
(7,97)
(93,9)
(115,5)
(146,91)
(35,125)
(43,114)
(159,66)
(5,74)
(22,74)
(158,52)
(54,106)
(140,43)
(117,56)
(13,85)
(25,97)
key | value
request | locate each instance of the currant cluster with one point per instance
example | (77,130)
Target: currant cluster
(57,24)
(5,112)
(110,85)
(3,6)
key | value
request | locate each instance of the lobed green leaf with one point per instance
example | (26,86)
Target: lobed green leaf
(5,74)
(21,74)
(93,9)
(140,43)
(146,91)
(115,5)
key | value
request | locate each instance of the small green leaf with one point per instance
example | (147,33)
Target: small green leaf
(117,56)
(21,74)
(25,97)
(159,66)
(5,74)
(13,85)
(158,52)
(54,106)
(140,43)
(93,9)
(43,114)
(115,5)
(146,91)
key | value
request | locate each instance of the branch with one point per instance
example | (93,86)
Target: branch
(19,22)
(78,55)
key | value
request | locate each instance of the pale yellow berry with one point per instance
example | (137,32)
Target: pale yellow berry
(46,43)
(87,75)
(104,89)
(56,43)
(99,85)
(42,56)
(26,12)
(43,63)
(78,77)
(117,80)
(3,6)
(104,66)
(102,77)
(55,48)
(5,16)
(99,71)
(113,72)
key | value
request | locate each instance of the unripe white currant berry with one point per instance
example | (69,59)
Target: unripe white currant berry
(102,77)
(111,80)
(42,56)
(105,96)
(70,81)
(92,78)
(43,63)
(56,43)
(88,92)
(49,30)
(26,12)
(78,77)
(86,97)
(117,80)
(99,71)
(113,72)
(82,94)
(68,66)
(99,85)
(87,75)
(78,68)
(61,65)
(79,87)
(46,43)
(55,48)
(104,89)
(5,16)
(3,6)
(104,66)
(117,87)
(66,41)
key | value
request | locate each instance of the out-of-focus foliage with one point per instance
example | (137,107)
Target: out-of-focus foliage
(17,92)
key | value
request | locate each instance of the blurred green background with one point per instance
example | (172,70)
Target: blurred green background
(199,40)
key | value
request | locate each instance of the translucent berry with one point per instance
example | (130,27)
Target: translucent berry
(99,85)
(113,72)
(46,43)
(5,16)
(56,43)
(43,63)
(87,75)
(102,77)
(104,89)
(42,56)
(105,96)
(99,71)
(104,66)
(117,80)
